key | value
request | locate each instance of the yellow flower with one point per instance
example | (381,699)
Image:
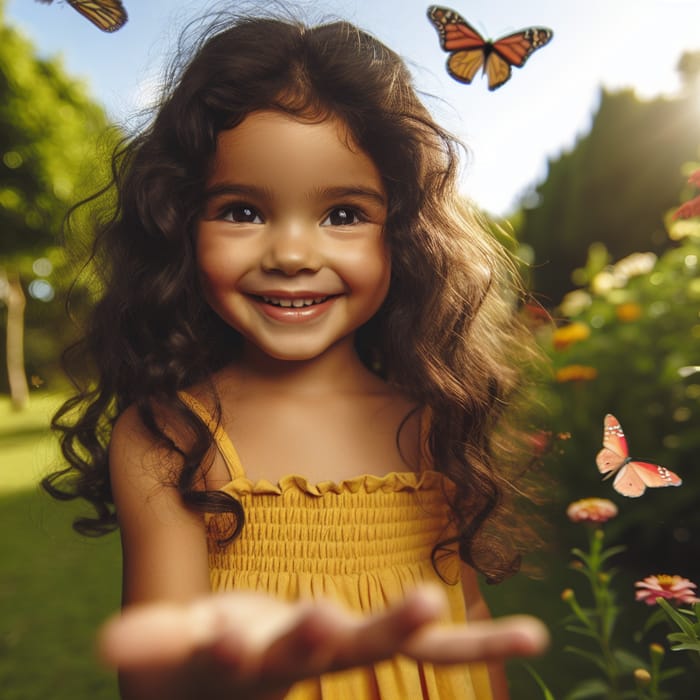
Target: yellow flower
(568,335)
(642,677)
(628,312)
(576,373)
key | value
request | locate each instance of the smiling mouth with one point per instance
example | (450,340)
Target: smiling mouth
(287,303)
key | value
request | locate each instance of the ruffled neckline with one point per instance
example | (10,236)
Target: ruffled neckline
(366,483)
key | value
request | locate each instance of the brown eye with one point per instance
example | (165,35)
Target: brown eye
(242,213)
(342,216)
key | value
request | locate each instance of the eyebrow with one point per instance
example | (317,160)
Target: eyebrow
(352,191)
(221,189)
(228,189)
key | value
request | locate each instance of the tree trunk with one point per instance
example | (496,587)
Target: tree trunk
(17,377)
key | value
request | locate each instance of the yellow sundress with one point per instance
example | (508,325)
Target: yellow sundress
(364,542)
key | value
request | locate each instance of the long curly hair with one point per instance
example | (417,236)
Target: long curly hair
(448,334)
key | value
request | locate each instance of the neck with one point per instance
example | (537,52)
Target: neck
(338,370)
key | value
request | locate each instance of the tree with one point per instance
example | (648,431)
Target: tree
(613,187)
(50,130)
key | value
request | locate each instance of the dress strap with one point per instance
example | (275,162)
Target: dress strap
(221,438)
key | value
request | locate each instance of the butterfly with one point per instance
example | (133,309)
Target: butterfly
(633,477)
(470,51)
(108,15)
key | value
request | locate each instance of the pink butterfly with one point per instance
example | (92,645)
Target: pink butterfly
(633,477)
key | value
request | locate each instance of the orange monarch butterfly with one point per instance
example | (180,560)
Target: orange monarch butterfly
(470,51)
(108,15)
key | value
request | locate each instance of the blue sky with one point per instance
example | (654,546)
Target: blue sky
(510,132)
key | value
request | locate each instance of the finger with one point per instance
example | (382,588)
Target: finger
(382,636)
(518,635)
(156,635)
(309,647)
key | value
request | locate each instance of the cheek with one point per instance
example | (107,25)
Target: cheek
(374,273)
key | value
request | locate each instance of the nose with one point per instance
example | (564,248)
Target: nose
(292,247)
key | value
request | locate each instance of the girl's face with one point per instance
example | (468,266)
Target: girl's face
(290,246)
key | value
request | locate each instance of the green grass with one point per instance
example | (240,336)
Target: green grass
(55,586)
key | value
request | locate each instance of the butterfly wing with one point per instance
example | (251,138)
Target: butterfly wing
(497,70)
(614,452)
(635,477)
(108,15)
(513,50)
(516,48)
(455,32)
(463,65)
(457,35)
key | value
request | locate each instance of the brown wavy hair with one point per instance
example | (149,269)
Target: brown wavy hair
(447,335)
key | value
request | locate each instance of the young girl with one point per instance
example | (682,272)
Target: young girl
(304,351)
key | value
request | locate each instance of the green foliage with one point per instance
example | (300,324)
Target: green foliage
(54,148)
(612,187)
(627,342)
(636,325)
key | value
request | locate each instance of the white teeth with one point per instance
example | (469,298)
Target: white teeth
(296,303)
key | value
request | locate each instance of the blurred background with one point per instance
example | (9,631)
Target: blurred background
(579,162)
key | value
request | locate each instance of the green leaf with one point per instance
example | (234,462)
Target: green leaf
(546,692)
(588,655)
(592,688)
(657,617)
(672,673)
(676,617)
(582,630)
(688,646)
(627,660)
(611,552)
(582,556)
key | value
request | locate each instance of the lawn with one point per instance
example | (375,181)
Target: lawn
(55,586)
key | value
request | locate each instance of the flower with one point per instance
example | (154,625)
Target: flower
(628,312)
(633,265)
(688,210)
(692,207)
(576,373)
(568,335)
(575,302)
(664,586)
(642,677)
(591,510)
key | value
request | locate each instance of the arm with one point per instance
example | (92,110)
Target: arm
(477,610)
(163,543)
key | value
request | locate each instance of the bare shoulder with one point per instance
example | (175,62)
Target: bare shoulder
(135,451)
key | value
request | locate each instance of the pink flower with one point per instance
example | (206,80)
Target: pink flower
(688,210)
(691,208)
(664,586)
(591,510)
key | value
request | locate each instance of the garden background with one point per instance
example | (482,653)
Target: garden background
(616,276)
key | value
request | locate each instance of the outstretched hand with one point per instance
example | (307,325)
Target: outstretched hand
(259,644)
